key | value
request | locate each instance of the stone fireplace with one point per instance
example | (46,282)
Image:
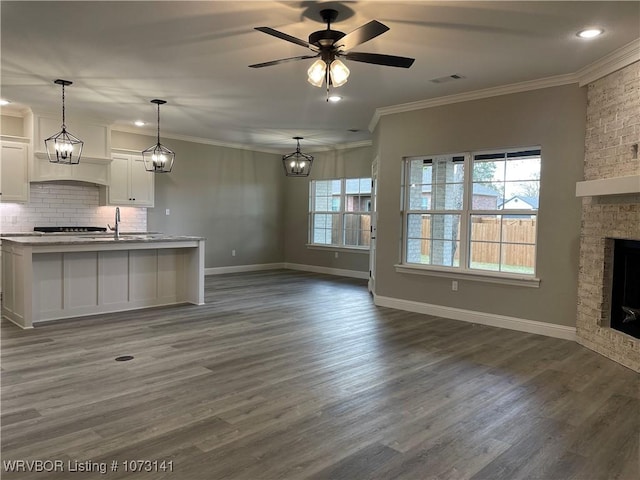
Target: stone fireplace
(610,208)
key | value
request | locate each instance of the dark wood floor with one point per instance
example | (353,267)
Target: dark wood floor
(292,375)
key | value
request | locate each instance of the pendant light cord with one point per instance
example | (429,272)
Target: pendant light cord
(158,124)
(63,119)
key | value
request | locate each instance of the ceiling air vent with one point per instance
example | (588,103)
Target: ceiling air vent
(448,78)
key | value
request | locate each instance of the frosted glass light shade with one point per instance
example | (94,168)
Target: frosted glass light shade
(316,73)
(339,73)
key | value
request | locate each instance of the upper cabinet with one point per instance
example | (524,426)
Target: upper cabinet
(14,168)
(129,183)
(96,153)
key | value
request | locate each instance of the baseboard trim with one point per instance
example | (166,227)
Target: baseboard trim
(482,318)
(291,266)
(243,268)
(327,270)
(17,324)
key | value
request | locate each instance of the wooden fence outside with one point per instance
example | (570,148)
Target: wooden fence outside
(357,230)
(518,237)
(516,231)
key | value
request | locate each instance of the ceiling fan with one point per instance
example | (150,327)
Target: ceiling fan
(329,45)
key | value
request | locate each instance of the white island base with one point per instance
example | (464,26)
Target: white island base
(63,279)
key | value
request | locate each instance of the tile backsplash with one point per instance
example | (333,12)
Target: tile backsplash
(67,204)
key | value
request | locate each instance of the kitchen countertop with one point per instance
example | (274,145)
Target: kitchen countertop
(71,234)
(88,239)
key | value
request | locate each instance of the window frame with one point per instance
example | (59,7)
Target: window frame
(341,213)
(464,270)
(431,211)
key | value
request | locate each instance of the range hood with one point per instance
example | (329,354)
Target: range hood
(96,155)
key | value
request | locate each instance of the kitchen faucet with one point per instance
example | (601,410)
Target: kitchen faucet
(116,228)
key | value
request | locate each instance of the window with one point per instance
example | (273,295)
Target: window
(473,212)
(340,212)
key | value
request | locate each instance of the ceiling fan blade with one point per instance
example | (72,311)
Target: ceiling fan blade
(378,59)
(288,38)
(283,60)
(360,35)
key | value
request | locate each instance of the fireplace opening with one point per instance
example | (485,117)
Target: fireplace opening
(625,294)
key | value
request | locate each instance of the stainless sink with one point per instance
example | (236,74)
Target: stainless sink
(111,237)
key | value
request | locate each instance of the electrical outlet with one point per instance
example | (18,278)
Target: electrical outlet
(167,211)
(454,285)
(14,219)
(336,255)
(233,253)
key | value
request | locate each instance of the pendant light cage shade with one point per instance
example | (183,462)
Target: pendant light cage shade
(63,147)
(158,158)
(297,164)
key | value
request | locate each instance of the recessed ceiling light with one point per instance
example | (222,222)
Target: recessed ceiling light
(335,98)
(139,123)
(590,32)
(4,102)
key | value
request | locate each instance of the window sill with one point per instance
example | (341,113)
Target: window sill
(486,277)
(335,248)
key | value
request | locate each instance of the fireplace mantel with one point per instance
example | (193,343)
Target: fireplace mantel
(629,184)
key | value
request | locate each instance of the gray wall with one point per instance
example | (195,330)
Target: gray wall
(344,163)
(232,197)
(553,118)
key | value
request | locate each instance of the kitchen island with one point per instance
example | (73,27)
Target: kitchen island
(64,276)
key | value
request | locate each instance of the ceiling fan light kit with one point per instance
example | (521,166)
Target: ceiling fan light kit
(330,44)
(327,46)
(63,147)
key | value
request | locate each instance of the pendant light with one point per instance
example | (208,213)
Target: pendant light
(297,164)
(64,147)
(158,158)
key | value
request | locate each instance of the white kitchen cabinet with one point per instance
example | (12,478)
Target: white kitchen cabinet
(129,183)
(14,168)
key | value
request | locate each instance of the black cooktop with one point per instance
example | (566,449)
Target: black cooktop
(69,229)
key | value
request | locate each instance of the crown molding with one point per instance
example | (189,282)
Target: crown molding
(616,60)
(75,117)
(546,82)
(344,146)
(187,138)
(14,111)
(238,146)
